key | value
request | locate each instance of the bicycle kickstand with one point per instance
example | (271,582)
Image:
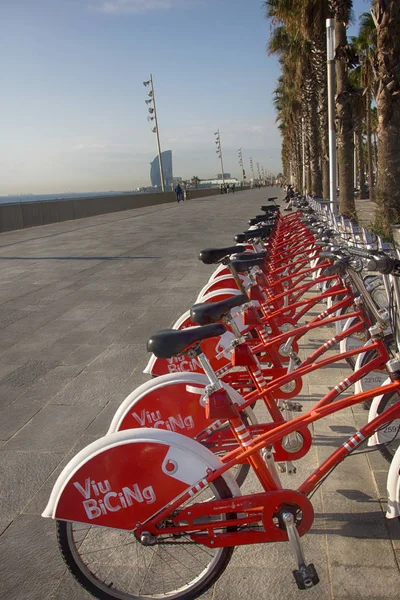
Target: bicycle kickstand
(306,576)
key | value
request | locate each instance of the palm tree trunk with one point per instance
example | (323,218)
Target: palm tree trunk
(369,148)
(324,157)
(319,54)
(345,144)
(386,15)
(375,147)
(315,150)
(308,167)
(360,162)
(299,158)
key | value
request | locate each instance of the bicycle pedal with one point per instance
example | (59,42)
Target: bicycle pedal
(294,406)
(286,467)
(306,577)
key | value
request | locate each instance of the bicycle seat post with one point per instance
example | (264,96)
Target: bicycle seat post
(228,263)
(196,352)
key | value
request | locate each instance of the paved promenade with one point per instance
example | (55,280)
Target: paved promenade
(78,301)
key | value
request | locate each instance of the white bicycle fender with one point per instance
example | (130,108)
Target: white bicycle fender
(210,295)
(373,379)
(222,267)
(94,487)
(351,342)
(393,487)
(190,379)
(373,412)
(205,290)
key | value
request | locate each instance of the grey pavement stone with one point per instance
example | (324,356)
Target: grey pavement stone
(89,390)
(22,474)
(354,582)
(32,566)
(55,427)
(27,374)
(102,422)
(119,359)
(68,588)
(8,395)
(14,417)
(39,499)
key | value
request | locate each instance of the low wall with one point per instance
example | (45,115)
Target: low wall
(32,214)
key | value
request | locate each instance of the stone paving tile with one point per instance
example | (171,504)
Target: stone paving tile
(33,565)
(91,390)
(27,374)
(22,474)
(39,499)
(14,417)
(54,427)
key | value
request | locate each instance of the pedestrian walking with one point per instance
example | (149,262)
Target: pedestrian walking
(221,189)
(178,192)
(227,188)
(233,187)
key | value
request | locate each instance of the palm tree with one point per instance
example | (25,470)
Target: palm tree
(341,10)
(195,181)
(295,54)
(313,15)
(359,113)
(365,45)
(386,15)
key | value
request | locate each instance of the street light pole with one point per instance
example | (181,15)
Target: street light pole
(330,55)
(152,111)
(252,168)
(241,164)
(219,152)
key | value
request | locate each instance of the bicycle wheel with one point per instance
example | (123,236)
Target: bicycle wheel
(389,435)
(112,564)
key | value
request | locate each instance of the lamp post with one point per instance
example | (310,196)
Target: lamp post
(252,168)
(241,164)
(153,117)
(219,152)
(259,174)
(330,63)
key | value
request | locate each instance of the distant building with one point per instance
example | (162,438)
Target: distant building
(207,183)
(155,176)
(226,176)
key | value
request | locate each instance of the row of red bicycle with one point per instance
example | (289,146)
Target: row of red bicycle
(154,509)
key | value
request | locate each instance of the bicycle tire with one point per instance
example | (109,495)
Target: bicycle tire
(106,591)
(388,450)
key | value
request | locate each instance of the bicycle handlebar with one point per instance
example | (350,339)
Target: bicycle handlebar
(339,267)
(385,265)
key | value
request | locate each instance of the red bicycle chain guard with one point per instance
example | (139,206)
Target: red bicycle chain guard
(263,507)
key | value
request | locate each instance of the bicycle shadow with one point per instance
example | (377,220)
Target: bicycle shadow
(359,525)
(77,257)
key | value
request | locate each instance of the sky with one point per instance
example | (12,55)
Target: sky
(72,105)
